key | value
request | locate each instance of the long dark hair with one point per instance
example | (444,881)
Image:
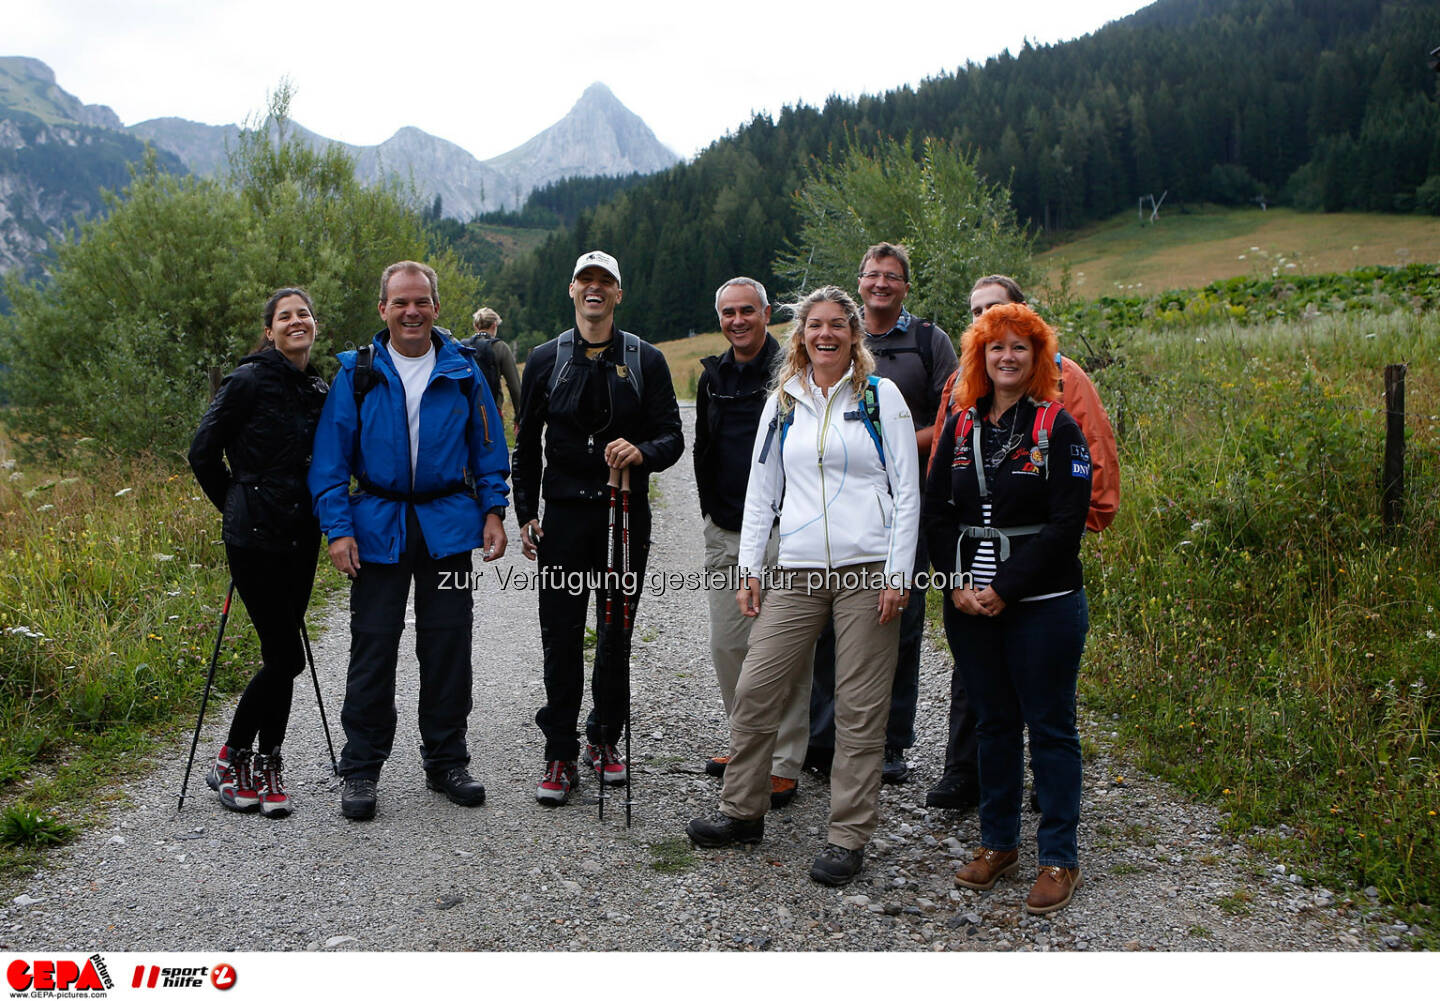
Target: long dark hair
(268,314)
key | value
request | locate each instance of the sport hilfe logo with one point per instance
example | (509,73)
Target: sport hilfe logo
(48,975)
(221,976)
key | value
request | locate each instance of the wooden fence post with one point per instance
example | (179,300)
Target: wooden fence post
(1393,477)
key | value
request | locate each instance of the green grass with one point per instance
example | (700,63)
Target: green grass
(1263,641)
(110,589)
(1196,247)
(672,855)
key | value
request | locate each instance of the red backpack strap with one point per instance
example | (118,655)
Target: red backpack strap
(1045,414)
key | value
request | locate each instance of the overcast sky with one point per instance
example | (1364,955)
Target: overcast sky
(488,76)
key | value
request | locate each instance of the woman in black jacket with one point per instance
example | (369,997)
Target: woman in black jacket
(263,422)
(1005,505)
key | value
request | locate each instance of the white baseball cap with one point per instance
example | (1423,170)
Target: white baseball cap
(597,259)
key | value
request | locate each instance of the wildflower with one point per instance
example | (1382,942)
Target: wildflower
(163,557)
(45,507)
(123,491)
(1225,792)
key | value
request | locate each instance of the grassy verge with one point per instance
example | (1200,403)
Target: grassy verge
(1260,638)
(110,594)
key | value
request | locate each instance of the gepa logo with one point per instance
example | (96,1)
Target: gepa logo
(54,975)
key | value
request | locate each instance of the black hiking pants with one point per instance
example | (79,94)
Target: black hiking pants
(572,562)
(443,620)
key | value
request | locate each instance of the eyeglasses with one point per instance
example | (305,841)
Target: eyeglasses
(887,275)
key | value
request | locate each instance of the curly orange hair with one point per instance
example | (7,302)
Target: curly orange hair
(993,324)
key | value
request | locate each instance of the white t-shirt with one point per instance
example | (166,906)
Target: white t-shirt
(415,376)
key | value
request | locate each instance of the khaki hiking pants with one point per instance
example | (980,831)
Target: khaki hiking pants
(730,641)
(782,643)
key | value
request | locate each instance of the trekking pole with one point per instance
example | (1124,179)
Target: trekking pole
(209,680)
(625,631)
(609,611)
(315,678)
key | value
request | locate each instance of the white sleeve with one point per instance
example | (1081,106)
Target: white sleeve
(902,468)
(762,495)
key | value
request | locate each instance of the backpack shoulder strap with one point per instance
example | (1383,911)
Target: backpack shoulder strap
(630,352)
(780,422)
(870,413)
(1045,414)
(564,348)
(925,345)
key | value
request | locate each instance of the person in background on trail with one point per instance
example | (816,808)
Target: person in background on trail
(250,455)
(600,399)
(1006,501)
(836,461)
(918,357)
(728,400)
(494,356)
(1078,396)
(411,419)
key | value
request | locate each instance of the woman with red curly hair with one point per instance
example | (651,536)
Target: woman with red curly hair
(1005,506)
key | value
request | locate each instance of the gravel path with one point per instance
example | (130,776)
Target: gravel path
(511,875)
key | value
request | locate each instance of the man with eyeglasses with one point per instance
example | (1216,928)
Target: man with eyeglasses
(918,357)
(728,400)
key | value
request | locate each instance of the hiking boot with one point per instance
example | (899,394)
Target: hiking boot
(270,785)
(558,782)
(1053,889)
(609,766)
(232,777)
(357,797)
(987,868)
(782,791)
(721,829)
(896,771)
(716,766)
(818,760)
(836,866)
(954,792)
(458,785)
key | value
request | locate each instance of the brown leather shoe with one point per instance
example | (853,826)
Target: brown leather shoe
(782,791)
(1052,890)
(988,867)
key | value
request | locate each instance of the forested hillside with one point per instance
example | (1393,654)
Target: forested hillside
(1322,104)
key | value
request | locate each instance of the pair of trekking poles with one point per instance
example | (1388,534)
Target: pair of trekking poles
(619,492)
(210,681)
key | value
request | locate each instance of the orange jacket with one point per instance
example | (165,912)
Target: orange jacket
(1078,396)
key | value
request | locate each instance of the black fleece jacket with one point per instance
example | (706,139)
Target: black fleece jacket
(263,422)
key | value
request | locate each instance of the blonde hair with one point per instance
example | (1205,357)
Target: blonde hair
(485,318)
(796,359)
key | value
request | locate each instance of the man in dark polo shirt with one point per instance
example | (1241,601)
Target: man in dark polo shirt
(728,400)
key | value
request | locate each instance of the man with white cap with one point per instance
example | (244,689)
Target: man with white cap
(600,399)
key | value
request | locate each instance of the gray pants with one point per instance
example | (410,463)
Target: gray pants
(781,646)
(730,641)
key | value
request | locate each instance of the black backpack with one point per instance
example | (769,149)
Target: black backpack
(924,346)
(484,348)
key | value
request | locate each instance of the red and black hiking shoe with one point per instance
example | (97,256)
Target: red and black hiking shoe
(605,759)
(270,785)
(558,782)
(233,779)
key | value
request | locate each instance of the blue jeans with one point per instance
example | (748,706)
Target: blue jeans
(1020,670)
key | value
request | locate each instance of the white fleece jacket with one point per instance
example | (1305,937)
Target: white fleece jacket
(837,505)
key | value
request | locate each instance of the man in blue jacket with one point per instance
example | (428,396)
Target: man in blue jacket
(411,419)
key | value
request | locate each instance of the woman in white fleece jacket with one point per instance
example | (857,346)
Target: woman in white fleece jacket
(843,480)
